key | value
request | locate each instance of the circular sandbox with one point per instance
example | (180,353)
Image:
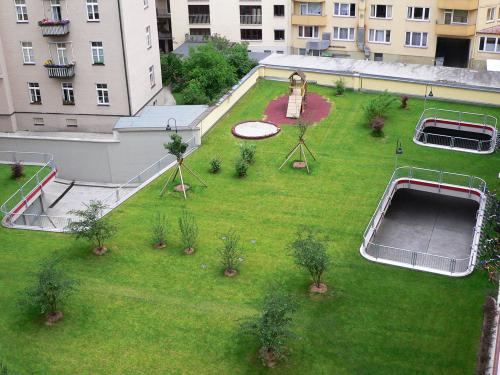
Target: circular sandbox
(255,130)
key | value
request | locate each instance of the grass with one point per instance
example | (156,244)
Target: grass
(8,186)
(141,310)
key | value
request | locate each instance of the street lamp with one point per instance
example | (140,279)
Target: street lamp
(169,128)
(399,151)
(430,95)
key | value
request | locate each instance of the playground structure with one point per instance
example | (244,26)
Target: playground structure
(297,94)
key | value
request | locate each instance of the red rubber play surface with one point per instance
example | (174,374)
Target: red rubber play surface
(315,110)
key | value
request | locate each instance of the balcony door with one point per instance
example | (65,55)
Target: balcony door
(62,56)
(55,10)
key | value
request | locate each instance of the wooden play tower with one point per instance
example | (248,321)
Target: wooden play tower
(297,94)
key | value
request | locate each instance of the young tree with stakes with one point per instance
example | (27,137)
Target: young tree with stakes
(189,231)
(230,253)
(177,148)
(301,146)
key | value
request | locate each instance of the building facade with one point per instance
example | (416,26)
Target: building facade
(76,65)
(460,33)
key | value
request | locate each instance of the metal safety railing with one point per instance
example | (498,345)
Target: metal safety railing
(420,259)
(487,122)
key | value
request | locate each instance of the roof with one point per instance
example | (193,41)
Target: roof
(495,30)
(157,117)
(183,51)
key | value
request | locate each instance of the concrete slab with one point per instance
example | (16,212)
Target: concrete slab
(429,223)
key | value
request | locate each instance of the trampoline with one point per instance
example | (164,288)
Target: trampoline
(255,130)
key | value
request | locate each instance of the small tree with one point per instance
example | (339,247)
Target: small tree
(176,147)
(378,107)
(91,226)
(159,230)
(215,165)
(272,326)
(17,171)
(52,286)
(230,253)
(189,231)
(310,252)
(377,126)
(241,167)
(404,101)
(339,87)
(247,152)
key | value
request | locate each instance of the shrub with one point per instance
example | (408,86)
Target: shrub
(339,87)
(230,253)
(51,287)
(159,230)
(377,125)
(310,252)
(272,326)
(189,231)
(215,165)
(193,94)
(404,101)
(378,107)
(171,68)
(490,313)
(92,226)
(241,167)
(176,147)
(247,152)
(17,171)
(489,244)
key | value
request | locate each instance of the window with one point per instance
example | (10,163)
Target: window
(28,54)
(344,9)
(414,39)
(455,16)
(279,10)
(343,33)
(71,123)
(418,14)
(310,9)
(279,34)
(55,10)
(97,53)
(92,10)
(38,121)
(102,93)
(67,93)
(151,73)
(489,44)
(146,3)
(308,31)
(148,36)
(203,32)
(381,11)
(379,36)
(251,34)
(490,14)
(378,56)
(280,52)
(62,56)
(21,11)
(35,94)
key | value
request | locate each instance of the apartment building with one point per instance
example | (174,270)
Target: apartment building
(76,65)
(462,33)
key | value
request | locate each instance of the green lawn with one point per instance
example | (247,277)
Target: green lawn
(147,311)
(8,186)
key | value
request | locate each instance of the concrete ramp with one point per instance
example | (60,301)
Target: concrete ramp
(294,104)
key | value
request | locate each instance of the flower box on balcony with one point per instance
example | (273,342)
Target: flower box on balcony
(60,71)
(54,28)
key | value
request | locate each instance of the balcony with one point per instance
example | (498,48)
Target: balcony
(458,4)
(309,20)
(54,28)
(162,13)
(60,71)
(455,30)
(199,18)
(251,19)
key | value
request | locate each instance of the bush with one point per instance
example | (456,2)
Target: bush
(215,165)
(247,152)
(489,244)
(483,358)
(171,68)
(272,327)
(339,87)
(193,93)
(92,226)
(159,230)
(230,253)
(16,171)
(176,147)
(404,101)
(377,125)
(189,231)
(241,167)
(378,107)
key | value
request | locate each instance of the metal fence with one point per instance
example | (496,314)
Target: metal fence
(420,259)
(486,121)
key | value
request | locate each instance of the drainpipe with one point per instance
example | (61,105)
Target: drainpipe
(361,32)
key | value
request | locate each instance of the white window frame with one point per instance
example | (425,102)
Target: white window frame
(69,92)
(410,14)
(307,11)
(491,14)
(28,53)
(314,29)
(21,11)
(451,12)
(388,11)
(149,42)
(102,91)
(372,36)
(146,3)
(151,74)
(97,53)
(34,93)
(93,10)
(38,121)
(484,50)
(351,34)
(423,37)
(55,10)
(62,54)
(337,9)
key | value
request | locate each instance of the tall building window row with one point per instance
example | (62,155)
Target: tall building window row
(344,9)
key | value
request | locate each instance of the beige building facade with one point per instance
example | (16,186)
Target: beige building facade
(76,65)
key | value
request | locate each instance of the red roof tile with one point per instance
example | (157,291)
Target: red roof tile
(490,30)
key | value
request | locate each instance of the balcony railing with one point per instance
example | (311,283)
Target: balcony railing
(455,29)
(60,71)
(199,18)
(54,28)
(251,19)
